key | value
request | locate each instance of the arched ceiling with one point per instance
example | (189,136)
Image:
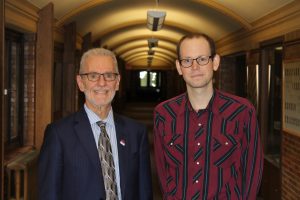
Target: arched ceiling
(120,25)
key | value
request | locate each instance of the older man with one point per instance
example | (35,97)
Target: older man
(95,153)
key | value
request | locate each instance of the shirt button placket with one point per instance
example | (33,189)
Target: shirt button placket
(198,163)
(198,144)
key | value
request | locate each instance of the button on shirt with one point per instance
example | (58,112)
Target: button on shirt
(111,131)
(214,153)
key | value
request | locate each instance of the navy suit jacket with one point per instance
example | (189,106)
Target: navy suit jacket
(69,167)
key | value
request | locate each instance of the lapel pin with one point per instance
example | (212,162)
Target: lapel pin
(122,142)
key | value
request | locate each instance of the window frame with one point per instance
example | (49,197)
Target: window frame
(148,75)
(11,37)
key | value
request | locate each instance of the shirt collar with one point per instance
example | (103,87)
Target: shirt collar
(213,105)
(93,117)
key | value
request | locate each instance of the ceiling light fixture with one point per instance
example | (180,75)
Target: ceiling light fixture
(152,42)
(155,19)
(151,52)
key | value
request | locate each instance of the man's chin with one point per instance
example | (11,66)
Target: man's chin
(98,105)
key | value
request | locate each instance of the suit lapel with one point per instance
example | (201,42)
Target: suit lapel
(85,135)
(122,150)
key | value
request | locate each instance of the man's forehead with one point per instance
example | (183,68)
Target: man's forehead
(192,40)
(194,44)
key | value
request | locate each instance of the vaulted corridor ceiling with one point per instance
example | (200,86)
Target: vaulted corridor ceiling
(120,25)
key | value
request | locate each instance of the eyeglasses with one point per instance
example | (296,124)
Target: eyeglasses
(94,76)
(188,62)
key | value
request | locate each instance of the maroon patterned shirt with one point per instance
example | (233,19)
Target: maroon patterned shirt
(214,153)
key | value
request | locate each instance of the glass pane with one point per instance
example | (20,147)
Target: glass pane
(143,78)
(14,83)
(153,79)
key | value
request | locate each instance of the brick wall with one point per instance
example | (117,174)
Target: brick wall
(29,88)
(290,180)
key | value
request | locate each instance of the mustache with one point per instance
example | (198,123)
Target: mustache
(101,88)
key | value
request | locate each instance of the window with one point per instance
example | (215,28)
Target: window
(149,88)
(153,79)
(143,78)
(14,70)
(149,79)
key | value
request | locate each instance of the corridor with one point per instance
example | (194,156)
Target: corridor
(42,41)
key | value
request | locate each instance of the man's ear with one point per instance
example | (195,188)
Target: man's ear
(178,67)
(216,62)
(118,82)
(80,83)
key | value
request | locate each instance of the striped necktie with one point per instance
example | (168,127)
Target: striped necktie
(107,163)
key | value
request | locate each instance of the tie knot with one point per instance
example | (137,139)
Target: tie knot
(101,124)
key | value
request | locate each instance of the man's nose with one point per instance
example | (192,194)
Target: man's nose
(195,64)
(101,80)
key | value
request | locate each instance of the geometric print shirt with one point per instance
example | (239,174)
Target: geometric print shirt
(214,153)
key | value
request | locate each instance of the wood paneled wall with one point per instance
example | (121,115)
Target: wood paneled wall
(69,70)
(44,75)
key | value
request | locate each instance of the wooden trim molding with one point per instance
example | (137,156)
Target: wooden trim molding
(293,36)
(21,14)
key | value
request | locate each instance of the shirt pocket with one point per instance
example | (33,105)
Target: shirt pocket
(226,151)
